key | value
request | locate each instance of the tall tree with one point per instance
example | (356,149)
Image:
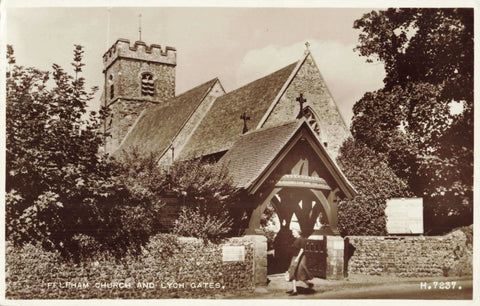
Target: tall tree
(423,117)
(60,190)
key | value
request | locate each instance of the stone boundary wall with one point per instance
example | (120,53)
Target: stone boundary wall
(193,270)
(405,256)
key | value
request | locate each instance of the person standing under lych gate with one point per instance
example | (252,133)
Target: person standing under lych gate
(298,270)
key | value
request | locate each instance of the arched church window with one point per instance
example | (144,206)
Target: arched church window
(148,88)
(312,120)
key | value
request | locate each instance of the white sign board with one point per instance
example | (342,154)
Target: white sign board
(404,216)
(233,253)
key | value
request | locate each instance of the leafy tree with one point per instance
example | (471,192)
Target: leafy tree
(203,190)
(208,191)
(375,182)
(59,189)
(428,58)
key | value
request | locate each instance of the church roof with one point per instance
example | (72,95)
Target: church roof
(157,126)
(222,126)
(254,151)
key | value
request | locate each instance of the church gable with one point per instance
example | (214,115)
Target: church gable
(320,105)
(161,124)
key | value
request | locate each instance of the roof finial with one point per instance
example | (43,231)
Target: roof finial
(307,44)
(245,118)
(301,100)
(140,26)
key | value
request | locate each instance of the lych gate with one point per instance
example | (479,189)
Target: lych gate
(288,167)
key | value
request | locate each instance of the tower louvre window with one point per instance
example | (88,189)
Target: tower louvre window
(112,88)
(148,88)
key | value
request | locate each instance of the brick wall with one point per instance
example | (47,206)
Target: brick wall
(405,256)
(194,269)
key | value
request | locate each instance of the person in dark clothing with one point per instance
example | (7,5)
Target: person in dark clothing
(298,270)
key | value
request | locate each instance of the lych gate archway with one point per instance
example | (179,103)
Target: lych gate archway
(297,209)
(304,194)
(308,205)
(289,168)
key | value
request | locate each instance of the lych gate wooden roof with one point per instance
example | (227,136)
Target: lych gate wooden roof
(255,152)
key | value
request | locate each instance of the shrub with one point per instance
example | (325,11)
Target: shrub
(375,182)
(200,223)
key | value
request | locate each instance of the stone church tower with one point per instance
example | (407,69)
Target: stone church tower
(136,77)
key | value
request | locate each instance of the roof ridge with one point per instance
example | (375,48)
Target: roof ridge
(169,101)
(204,83)
(147,121)
(265,76)
(297,121)
(220,127)
(205,94)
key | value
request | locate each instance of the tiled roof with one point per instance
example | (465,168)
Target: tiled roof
(222,126)
(159,124)
(253,152)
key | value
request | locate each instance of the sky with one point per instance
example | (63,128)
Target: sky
(237,45)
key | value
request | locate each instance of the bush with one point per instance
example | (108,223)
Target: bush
(206,189)
(375,182)
(200,223)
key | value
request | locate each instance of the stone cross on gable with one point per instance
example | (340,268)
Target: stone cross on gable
(301,100)
(244,117)
(307,50)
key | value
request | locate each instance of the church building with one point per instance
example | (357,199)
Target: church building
(278,136)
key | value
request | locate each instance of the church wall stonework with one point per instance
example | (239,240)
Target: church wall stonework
(128,103)
(309,82)
(127,75)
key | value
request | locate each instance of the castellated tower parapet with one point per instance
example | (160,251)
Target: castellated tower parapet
(139,51)
(136,77)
